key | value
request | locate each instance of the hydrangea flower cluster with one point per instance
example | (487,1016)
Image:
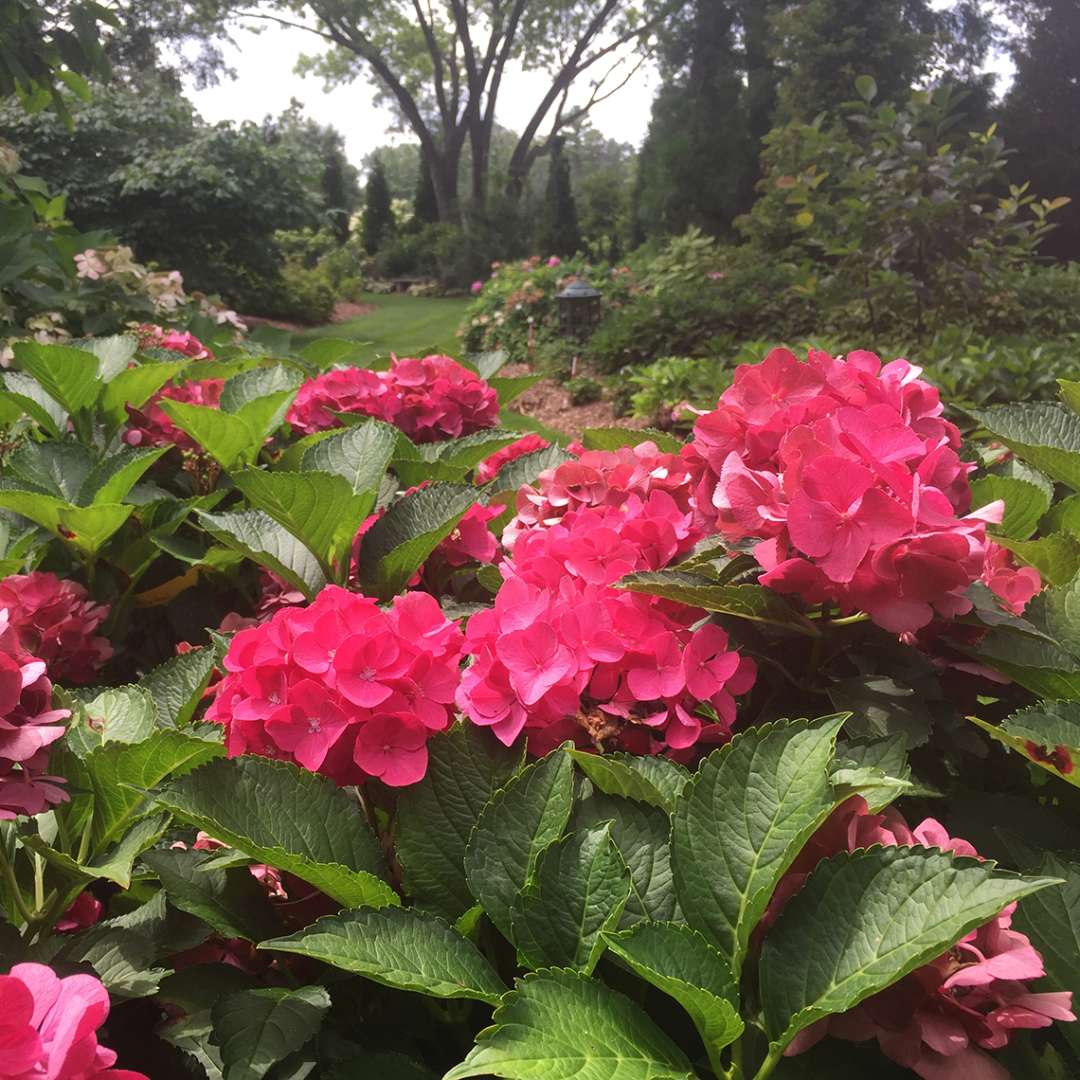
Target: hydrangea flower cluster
(54,621)
(602,478)
(938,1020)
(488,468)
(150,426)
(847,476)
(151,336)
(563,655)
(342,687)
(430,399)
(28,726)
(48,1027)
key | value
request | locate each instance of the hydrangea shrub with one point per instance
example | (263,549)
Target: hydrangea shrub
(611,744)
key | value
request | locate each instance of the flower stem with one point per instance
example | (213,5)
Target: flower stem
(770,1063)
(847,620)
(13,885)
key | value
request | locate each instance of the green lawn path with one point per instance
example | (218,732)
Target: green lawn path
(401,324)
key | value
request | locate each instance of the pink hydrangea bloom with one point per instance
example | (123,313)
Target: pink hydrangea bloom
(476,287)
(563,655)
(28,726)
(1013,586)
(845,477)
(48,1027)
(350,390)
(554,260)
(430,399)
(157,337)
(150,426)
(440,399)
(55,620)
(603,478)
(939,1020)
(490,466)
(83,912)
(305,685)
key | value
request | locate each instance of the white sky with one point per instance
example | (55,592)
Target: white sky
(266,82)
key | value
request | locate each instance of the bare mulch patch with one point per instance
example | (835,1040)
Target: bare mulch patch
(344,310)
(549,403)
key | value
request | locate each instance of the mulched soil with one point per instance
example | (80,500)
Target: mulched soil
(549,403)
(344,310)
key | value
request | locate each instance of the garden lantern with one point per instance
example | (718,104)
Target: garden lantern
(579,309)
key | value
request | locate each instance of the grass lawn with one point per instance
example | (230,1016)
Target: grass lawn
(402,324)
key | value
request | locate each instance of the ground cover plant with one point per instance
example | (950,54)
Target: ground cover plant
(334,697)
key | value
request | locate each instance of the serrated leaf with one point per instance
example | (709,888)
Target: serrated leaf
(648,779)
(122,714)
(121,958)
(1041,666)
(1025,503)
(1051,919)
(134,387)
(264,415)
(1047,734)
(260,382)
(1045,434)
(229,439)
(68,375)
(1057,611)
(525,469)
(402,948)
(395,547)
(23,393)
(118,775)
(436,816)
(113,865)
(509,387)
(255,1029)
(360,455)
(177,685)
(1063,516)
(84,527)
(642,834)
(326,352)
(319,509)
(681,963)
(615,438)
(519,821)
(469,450)
(753,602)
(114,353)
(1056,557)
(112,479)
(260,538)
(231,901)
(559,1025)
(282,815)
(58,468)
(743,818)
(888,756)
(577,890)
(863,921)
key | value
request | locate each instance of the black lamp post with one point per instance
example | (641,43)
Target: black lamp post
(579,309)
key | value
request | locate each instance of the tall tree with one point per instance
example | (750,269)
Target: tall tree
(824,45)
(442,63)
(700,162)
(378,221)
(425,202)
(1041,115)
(559,233)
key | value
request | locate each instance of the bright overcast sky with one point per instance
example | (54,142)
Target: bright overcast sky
(266,82)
